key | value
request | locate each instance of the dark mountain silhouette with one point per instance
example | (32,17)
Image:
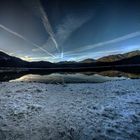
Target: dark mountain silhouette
(128,61)
(131,58)
(67,62)
(118,57)
(11,61)
(89,60)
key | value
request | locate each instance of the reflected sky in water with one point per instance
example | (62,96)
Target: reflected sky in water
(66,78)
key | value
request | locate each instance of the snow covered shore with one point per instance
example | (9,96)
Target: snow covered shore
(36,111)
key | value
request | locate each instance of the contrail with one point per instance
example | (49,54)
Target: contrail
(47,24)
(26,40)
(62,54)
(116,40)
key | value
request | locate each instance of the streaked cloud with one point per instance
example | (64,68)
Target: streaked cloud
(26,40)
(109,42)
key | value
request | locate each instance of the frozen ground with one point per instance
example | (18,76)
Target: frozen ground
(105,111)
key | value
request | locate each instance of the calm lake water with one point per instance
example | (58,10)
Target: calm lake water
(66,78)
(87,77)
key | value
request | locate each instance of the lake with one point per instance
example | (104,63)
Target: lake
(83,77)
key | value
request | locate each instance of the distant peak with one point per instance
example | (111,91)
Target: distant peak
(117,57)
(88,60)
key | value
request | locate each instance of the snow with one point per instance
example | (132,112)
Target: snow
(102,111)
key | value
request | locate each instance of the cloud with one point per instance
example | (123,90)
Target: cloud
(26,58)
(101,53)
(38,10)
(116,40)
(26,40)
(47,24)
(65,29)
(69,25)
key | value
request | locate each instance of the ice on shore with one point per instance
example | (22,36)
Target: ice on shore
(35,111)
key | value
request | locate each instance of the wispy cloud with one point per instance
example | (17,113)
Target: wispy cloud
(69,25)
(26,58)
(116,40)
(26,40)
(101,53)
(42,14)
(65,29)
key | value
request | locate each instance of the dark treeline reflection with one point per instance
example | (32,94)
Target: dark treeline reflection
(67,77)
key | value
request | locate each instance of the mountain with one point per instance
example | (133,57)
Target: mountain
(128,61)
(113,58)
(11,61)
(88,61)
(130,58)
(67,62)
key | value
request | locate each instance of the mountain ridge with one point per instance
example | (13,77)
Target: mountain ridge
(119,59)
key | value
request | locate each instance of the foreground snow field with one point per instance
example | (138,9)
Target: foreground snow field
(36,111)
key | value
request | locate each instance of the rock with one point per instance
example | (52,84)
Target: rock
(109,113)
(2,135)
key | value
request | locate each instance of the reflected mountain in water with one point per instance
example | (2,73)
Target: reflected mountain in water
(66,78)
(6,77)
(108,68)
(81,77)
(120,74)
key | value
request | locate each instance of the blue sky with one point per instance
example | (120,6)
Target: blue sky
(58,30)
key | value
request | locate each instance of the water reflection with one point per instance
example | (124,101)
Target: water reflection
(120,74)
(84,77)
(66,78)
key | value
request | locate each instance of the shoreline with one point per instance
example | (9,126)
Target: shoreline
(36,111)
(98,68)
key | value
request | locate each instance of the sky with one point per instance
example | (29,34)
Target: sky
(68,30)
